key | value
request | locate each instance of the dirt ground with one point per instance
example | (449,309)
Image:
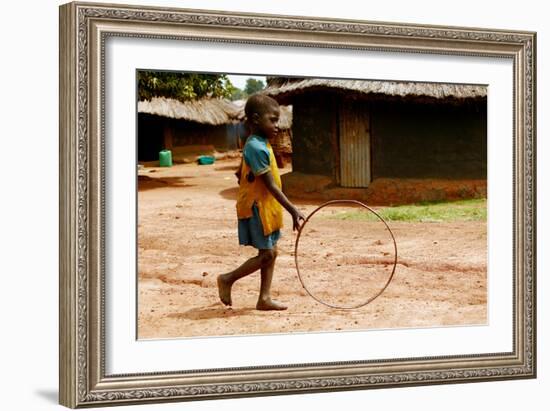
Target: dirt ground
(187,235)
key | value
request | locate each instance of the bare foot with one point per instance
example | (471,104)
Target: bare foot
(224,290)
(269,304)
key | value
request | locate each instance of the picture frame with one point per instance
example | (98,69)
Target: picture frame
(84,30)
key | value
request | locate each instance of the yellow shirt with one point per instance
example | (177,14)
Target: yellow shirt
(257,150)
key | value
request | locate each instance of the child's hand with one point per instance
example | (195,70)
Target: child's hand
(296,217)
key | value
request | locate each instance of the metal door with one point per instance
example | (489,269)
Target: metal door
(355,166)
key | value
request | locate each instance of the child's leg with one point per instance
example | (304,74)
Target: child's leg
(264,301)
(225,281)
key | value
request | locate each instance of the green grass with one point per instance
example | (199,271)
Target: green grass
(463,210)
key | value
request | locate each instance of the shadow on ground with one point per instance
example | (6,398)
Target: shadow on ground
(149,183)
(230,193)
(212,311)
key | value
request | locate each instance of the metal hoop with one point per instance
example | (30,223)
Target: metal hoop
(298,240)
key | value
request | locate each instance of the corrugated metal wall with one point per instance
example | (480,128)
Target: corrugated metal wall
(355,165)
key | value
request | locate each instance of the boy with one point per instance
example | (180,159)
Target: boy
(260,202)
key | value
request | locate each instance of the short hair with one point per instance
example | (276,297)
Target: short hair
(258,103)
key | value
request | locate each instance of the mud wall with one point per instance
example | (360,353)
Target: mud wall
(188,133)
(150,137)
(409,139)
(428,140)
(156,133)
(313,131)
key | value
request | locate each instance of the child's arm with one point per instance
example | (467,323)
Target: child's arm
(267,178)
(238,172)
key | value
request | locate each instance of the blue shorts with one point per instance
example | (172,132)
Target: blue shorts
(251,232)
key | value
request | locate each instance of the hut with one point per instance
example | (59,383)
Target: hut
(282,146)
(187,128)
(385,141)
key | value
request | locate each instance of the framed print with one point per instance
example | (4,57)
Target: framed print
(404,155)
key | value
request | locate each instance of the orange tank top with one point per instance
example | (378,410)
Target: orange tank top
(270,210)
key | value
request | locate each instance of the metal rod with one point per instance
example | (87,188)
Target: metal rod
(298,241)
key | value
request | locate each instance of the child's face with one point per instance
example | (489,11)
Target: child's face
(268,121)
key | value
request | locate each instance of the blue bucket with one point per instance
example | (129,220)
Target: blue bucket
(205,160)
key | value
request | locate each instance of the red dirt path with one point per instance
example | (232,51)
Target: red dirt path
(187,235)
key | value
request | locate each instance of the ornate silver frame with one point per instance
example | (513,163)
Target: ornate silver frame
(83,30)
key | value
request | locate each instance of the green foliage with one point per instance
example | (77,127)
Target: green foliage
(253,86)
(464,210)
(237,94)
(183,86)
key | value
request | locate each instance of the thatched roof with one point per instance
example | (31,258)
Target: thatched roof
(285,119)
(214,111)
(282,88)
